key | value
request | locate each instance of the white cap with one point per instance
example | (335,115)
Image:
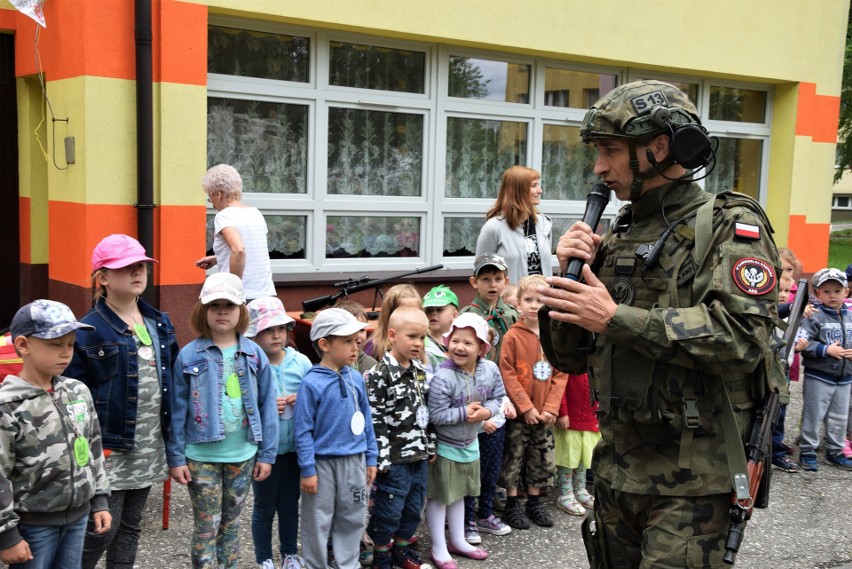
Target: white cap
(223,286)
(334,322)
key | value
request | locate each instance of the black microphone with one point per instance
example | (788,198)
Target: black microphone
(595,204)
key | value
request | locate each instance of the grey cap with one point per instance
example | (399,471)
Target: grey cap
(334,322)
(45,319)
(824,275)
(489,260)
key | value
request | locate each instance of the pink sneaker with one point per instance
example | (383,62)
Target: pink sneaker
(847,449)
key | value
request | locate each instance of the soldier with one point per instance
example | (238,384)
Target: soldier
(672,324)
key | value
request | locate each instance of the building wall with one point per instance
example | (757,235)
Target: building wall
(87,56)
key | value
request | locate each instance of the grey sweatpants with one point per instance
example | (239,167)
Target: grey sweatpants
(339,507)
(824,404)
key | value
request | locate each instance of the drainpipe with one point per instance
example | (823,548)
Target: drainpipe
(145,136)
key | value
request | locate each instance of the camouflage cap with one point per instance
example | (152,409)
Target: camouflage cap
(822,276)
(45,319)
(638,109)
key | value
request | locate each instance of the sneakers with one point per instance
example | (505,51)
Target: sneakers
(537,513)
(268,564)
(382,560)
(471,533)
(290,562)
(514,515)
(809,462)
(406,558)
(839,460)
(493,525)
(785,464)
(365,551)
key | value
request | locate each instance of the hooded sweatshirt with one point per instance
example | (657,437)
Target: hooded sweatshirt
(521,350)
(40,480)
(324,409)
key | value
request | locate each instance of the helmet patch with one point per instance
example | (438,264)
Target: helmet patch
(753,276)
(645,101)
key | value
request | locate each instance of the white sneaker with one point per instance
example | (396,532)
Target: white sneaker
(293,562)
(268,564)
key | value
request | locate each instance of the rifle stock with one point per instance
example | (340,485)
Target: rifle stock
(759,446)
(314,304)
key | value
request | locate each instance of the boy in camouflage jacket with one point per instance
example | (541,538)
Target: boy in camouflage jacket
(51,465)
(396,387)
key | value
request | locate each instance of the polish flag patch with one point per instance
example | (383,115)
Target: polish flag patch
(747,231)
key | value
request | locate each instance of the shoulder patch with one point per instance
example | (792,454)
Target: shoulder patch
(753,276)
(747,230)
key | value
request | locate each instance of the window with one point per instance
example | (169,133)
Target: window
(377,154)
(842,202)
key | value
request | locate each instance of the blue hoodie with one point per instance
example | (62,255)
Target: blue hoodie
(324,409)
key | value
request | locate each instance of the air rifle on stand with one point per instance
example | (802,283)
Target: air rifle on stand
(754,492)
(356,285)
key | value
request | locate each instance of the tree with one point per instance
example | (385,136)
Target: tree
(844,130)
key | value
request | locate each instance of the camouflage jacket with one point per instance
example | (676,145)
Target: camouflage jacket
(395,393)
(40,480)
(500,318)
(681,329)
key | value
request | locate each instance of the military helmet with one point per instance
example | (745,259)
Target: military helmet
(638,109)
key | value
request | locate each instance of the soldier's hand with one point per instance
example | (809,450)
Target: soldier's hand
(588,305)
(102,521)
(180,474)
(18,553)
(579,242)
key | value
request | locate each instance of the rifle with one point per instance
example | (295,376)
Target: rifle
(759,446)
(355,285)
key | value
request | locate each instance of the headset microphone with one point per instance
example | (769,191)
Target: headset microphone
(650,156)
(595,204)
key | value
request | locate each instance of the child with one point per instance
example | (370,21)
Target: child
(536,389)
(269,327)
(46,422)
(397,392)
(335,443)
(489,279)
(828,376)
(126,362)
(510,295)
(442,307)
(364,362)
(225,422)
(397,295)
(779,449)
(465,391)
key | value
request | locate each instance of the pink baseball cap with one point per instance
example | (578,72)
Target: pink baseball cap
(267,312)
(479,326)
(117,251)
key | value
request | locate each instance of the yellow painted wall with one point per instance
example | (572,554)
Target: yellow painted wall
(180,143)
(32,163)
(774,41)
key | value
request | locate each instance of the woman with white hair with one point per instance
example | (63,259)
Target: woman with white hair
(239,233)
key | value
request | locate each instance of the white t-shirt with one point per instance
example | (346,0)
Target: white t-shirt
(257,274)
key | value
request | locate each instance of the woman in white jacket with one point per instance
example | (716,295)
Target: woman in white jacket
(515,229)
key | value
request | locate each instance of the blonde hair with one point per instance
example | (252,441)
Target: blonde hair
(513,201)
(198,320)
(98,290)
(393,300)
(786,254)
(529,282)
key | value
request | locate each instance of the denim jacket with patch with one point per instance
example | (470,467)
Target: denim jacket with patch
(197,399)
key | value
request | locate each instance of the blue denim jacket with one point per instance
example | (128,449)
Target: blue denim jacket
(105,360)
(197,399)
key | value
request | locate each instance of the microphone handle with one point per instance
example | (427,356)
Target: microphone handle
(595,205)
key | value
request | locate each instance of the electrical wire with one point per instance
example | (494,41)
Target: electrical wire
(53,118)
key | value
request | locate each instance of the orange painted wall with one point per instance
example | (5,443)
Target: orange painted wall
(97,38)
(817,115)
(810,242)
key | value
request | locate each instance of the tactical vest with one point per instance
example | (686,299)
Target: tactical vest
(643,390)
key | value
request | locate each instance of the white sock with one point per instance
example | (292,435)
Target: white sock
(455,521)
(436,513)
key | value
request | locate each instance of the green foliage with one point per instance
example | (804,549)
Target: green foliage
(840,249)
(844,130)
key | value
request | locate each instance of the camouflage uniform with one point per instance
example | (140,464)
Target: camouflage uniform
(688,333)
(41,483)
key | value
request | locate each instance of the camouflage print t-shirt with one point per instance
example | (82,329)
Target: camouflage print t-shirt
(145,465)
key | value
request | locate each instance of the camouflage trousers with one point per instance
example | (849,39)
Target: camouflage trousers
(528,455)
(218,492)
(639,531)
